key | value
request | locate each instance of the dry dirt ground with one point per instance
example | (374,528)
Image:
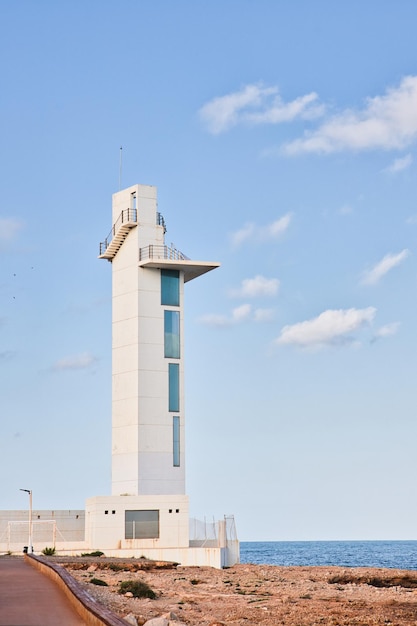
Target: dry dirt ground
(255,594)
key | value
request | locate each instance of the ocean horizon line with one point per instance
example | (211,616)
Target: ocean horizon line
(322,540)
(379,553)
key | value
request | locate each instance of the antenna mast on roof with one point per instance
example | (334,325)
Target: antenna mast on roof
(120,168)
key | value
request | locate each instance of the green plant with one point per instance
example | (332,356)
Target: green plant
(95,553)
(116,568)
(48,551)
(97,581)
(137,588)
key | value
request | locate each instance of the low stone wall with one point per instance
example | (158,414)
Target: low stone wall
(91,612)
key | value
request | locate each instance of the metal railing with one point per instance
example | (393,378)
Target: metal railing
(161,252)
(160,221)
(126,216)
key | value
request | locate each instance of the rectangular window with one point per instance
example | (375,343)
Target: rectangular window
(176,441)
(174,387)
(172,334)
(141,524)
(170,287)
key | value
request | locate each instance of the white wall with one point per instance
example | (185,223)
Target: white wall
(48,526)
(106,531)
(142,445)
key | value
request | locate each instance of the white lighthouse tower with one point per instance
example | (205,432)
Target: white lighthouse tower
(148,513)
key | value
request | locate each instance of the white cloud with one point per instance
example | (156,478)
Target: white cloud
(212,319)
(263,315)
(222,113)
(386,331)
(261,233)
(77,362)
(374,275)
(9,227)
(400,164)
(332,327)
(275,229)
(255,104)
(305,107)
(241,313)
(241,235)
(346,209)
(258,286)
(386,122)
(412,219)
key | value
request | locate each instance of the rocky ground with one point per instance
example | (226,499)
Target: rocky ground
(255,594)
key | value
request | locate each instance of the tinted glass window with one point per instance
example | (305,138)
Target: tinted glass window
(174,387)
(172,334)
(176,441)
(170,287)
(141,524)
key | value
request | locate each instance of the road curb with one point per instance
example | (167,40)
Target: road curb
(93,613)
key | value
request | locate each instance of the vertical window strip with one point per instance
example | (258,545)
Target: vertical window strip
(170,287)
(176,441)
(173,387)
(172,334)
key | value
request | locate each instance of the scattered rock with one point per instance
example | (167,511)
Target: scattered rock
(131,619)
(128,594)
(157,621)
(171,616)
(266,595)
(169,619)
(92,568)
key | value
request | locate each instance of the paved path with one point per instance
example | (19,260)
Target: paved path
(29,598)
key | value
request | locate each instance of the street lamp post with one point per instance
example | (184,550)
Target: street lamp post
(30,546)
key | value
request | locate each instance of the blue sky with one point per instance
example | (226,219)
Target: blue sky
(282,139)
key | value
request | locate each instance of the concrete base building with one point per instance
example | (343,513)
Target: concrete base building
(148,511)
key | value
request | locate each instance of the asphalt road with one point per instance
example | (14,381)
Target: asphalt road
(29,598)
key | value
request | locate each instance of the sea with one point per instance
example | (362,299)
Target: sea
(390,554)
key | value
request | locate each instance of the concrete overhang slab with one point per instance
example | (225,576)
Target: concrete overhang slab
(191,269)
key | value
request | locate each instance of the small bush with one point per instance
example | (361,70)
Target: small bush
(96,553)
(48,551)
(138,588)
(97,581)
(116,568)
(406,581)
